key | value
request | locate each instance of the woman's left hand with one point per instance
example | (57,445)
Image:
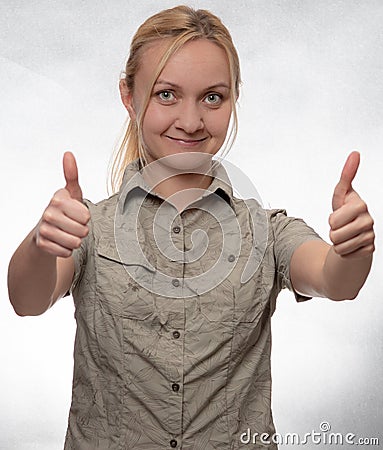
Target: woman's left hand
(352,227)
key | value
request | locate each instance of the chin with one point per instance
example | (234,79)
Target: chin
(187,161)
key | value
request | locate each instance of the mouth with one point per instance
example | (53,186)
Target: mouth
(186,142)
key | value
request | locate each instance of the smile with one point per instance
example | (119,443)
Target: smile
(186,142)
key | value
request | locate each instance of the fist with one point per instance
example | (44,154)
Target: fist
(63,224)
(352,227)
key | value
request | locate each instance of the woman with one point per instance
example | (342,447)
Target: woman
(173,324)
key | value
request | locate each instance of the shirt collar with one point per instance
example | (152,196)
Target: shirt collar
(133,179)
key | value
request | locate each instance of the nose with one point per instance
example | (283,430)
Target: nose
(189,118)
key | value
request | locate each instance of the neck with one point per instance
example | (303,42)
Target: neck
(180,178)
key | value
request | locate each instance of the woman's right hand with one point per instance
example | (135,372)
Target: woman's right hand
(63,224)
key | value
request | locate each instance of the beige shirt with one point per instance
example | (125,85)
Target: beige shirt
(173,338)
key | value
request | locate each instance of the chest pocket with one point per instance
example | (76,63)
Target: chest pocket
(237,302)
(217,305)
(117,291)
(233,301)
(252,298)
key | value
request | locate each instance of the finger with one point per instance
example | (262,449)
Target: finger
(360,253)
(65,224)
(53,249)
(358,242)
(360,225)
(349,170)
(71,176)
(345,183)
(348,212)
(52,234)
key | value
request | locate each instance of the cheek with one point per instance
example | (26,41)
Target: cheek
(156,120)
(218,122)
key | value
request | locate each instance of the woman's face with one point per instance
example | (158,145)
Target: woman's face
(190,105)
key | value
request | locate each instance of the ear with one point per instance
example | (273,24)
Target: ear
(127,99)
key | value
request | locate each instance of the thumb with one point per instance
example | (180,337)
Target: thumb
(71,176)
(344,185)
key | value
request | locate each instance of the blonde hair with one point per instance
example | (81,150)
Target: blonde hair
(180,25)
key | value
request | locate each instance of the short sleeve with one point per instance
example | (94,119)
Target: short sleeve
(289,233)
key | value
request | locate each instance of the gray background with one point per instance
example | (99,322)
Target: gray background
(312,92)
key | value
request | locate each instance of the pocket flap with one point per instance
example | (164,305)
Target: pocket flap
(129,254)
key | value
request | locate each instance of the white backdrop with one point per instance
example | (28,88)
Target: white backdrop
(312,92)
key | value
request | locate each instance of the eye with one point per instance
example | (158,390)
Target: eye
(213,99)
(166,96)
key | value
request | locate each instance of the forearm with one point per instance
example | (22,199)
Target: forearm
(344,277)
(32,277)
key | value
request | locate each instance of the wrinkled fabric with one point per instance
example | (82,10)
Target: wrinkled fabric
(188,369)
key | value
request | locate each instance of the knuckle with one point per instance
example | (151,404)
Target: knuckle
(365,251)
(39,241)
(370,222)
(331,220)
(365,238)
(371,236)
(56,201)
(85,214)
(77,242)
(43,230)
(84,220)
(48,216)
(333,237)
(58,193)
(84,231)
(366,224)
(42,244)
(66,253)
(337,249)
(361,207)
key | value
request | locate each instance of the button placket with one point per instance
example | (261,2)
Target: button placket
(175,379)
(175,370)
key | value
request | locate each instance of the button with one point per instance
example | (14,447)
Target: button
(175,387)
(176,334)
(173,443)
(176,282)
(176,229)
(231,258)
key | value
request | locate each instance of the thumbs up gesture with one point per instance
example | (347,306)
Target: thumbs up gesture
(352,232)
(63,224)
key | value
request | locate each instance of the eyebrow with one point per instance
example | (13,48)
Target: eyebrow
(176,86)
